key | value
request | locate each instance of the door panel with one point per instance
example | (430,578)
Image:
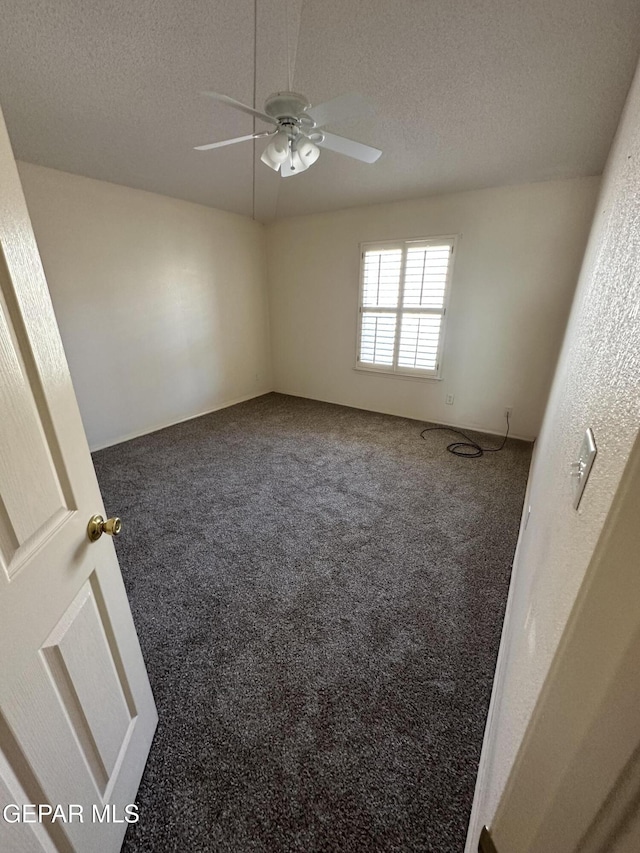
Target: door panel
(33,497)
(28,509)
(82,672)
(76,711)
(23,837)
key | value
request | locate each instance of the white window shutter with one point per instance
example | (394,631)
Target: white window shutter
(419,340)
(403,296)
(425,278)
(381,280)
(377,339)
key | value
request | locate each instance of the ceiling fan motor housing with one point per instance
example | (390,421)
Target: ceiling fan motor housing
(289,107)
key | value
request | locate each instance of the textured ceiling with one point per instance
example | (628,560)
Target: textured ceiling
(468,94)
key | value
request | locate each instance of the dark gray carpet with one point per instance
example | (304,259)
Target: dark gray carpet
(319,596)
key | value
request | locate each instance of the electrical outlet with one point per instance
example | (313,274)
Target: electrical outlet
(507,411)
(449,399)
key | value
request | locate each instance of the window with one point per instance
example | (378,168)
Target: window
(404,289)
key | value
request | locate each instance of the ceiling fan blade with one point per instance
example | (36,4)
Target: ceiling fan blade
(340,109)
(348,147)
(225,99)
(224,142)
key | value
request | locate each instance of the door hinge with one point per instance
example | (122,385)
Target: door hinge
(486,845)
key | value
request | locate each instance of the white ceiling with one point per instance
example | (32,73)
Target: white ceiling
(468,94)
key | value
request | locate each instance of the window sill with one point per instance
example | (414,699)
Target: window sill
(391,375)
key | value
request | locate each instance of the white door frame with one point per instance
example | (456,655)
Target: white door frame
(575,782)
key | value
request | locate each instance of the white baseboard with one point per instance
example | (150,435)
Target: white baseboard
(227,403)
(472,427)
(157,427)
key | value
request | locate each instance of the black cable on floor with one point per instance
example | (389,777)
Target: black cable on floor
(469,449)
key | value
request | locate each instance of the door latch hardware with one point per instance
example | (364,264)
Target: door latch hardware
(97,526)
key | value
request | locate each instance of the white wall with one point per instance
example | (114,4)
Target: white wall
(515,273)
(596,385)
(161,304)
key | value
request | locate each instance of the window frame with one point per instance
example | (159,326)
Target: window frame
(403,244)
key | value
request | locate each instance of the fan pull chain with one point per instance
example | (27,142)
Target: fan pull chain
(286,28)
(255,76)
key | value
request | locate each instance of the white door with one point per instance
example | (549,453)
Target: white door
(76,711)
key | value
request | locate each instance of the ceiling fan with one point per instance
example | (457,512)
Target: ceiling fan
(298,133)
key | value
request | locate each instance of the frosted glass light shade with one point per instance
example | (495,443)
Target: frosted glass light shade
(276,151)
(308,151)
(293,166)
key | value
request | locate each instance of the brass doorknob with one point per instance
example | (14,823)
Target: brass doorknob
(97,526)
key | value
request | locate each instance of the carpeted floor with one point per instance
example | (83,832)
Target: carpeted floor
(319,596)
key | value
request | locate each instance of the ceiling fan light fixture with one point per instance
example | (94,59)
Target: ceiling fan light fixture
(308,151)
(279,147)
(266,159)
(276,151)
(296,162)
